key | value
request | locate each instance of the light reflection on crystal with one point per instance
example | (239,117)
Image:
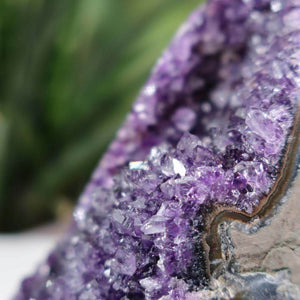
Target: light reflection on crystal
(48,283)
(149,90)
(138,165)
(179,167)
(276,5)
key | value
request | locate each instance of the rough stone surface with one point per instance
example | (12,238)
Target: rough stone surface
(208,129)
(274,247)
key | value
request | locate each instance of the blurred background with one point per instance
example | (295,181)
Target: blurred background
(70,70)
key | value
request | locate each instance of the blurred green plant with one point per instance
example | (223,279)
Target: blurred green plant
(70,70)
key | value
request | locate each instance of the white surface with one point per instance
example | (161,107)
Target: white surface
(19,256)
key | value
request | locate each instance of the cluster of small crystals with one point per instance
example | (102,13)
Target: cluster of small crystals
(209,129)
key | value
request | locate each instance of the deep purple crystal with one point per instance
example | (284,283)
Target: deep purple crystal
(208,130)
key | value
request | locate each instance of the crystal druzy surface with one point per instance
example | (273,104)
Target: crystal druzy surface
(208,131)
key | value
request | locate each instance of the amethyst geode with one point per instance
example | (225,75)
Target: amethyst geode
(212,131)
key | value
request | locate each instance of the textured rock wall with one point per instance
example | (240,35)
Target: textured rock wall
(274,247)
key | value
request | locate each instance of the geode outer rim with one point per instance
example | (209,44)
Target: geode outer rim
(223,213)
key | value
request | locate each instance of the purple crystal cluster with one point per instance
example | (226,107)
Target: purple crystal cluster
(208,130)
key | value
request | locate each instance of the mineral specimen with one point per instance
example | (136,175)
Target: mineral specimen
(212,136)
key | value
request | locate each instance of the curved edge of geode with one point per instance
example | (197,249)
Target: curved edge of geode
(260,260)
(264,213)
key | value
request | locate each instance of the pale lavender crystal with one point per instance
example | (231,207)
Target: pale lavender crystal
(209,128)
